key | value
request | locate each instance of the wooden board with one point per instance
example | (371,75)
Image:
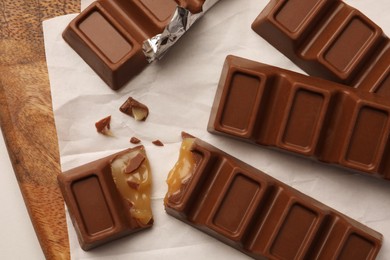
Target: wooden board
(26,116)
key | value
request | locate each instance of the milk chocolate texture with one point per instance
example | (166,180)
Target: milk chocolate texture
(98,202)
(259,215)
(329,39)
(194,6)
(308,116)
(109,34)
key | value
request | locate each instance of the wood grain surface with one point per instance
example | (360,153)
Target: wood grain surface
(26,116)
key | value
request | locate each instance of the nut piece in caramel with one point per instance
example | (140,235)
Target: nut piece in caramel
(132,177)
(135,109)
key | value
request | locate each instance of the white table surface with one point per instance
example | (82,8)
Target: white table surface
(17,236)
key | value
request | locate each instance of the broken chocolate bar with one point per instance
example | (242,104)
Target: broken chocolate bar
(308,116)
(257,214)
(329,39)
(109,198)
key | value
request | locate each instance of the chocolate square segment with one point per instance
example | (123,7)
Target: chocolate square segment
(90,200)
(348,47)
(294,14)
(306,115)
(368,136)
(106,38)
(238,115)
(236,204)
(298,227)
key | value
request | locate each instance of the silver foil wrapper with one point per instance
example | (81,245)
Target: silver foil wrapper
(155,47)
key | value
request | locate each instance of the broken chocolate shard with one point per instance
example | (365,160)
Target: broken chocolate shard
(308,116)
(257,214)
(101,204)
(135,109)
(103,126)
(135,140)
(329,39)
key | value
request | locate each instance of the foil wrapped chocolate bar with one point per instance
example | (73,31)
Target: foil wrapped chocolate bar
(109,198)
(257,214)
(329,39)
(118,38)
(308,116)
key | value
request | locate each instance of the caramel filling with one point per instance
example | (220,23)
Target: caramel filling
(131,174)
(182,170)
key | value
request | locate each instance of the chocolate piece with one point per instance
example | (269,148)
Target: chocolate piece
(135,163)
(134,140)
(257,214)
(109,35)
(329,39)
(158,143)
(308,116)
(101,204)
(103,126)
(135,109)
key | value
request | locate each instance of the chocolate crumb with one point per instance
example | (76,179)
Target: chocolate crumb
(158,143)
(103,126)
(135,140)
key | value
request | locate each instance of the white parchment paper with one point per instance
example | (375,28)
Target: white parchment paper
(179,91)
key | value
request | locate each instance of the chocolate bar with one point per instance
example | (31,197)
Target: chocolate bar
(329,39)
(109,198)
(118,38)
(307,116)
(257,214)
(109,35)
